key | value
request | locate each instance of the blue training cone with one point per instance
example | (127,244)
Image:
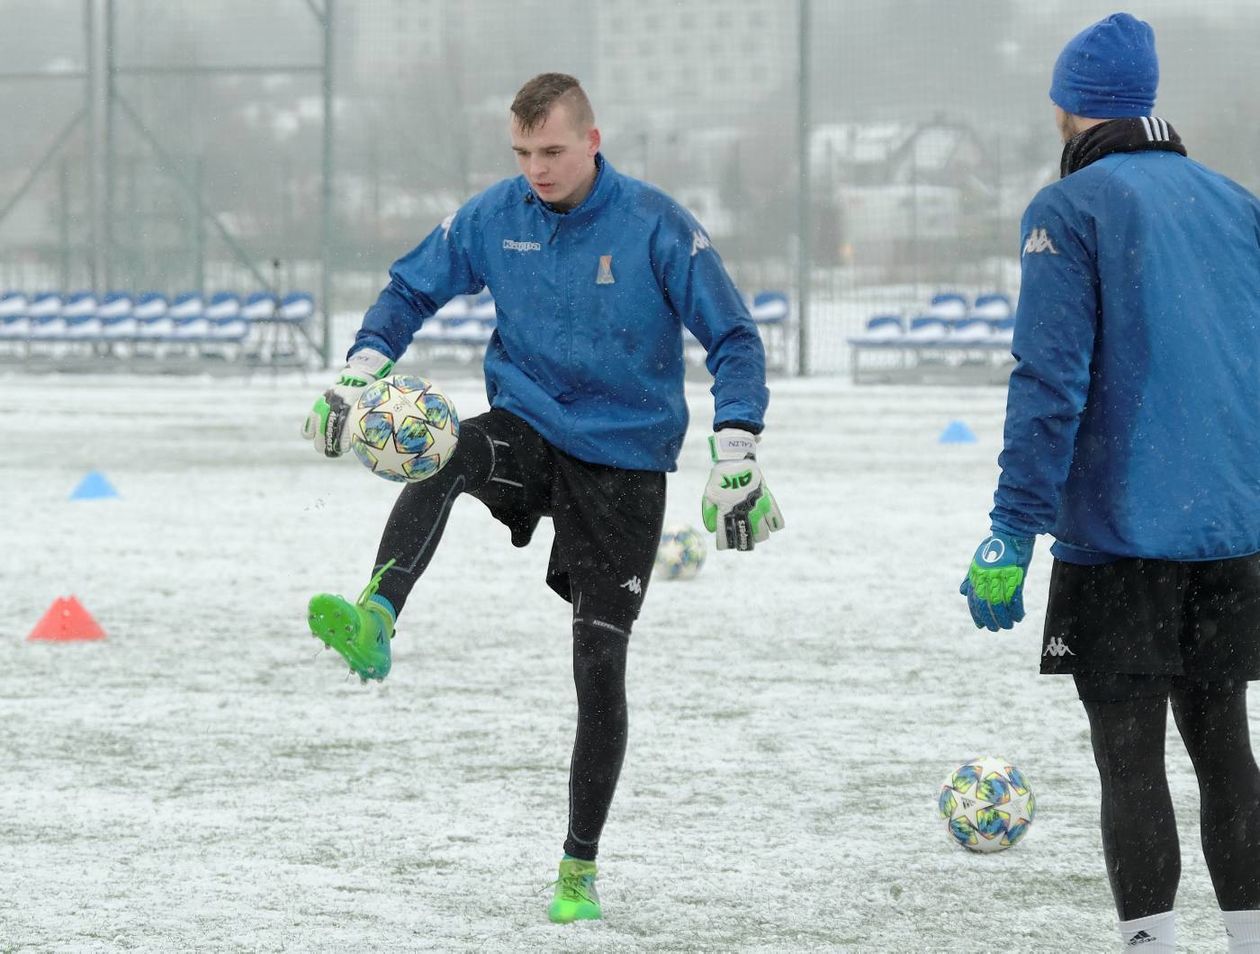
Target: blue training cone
(957,433)
(95,486)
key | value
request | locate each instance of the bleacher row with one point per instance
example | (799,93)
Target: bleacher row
(951,333)
(231,325)
(117,318)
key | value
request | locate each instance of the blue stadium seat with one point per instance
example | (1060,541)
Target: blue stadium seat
(1004,330)
(283,338)
(188,316)
(770,308)
(152,321)
(12,303)
(928,329)
(881,329)
(259,306)
(994,305)
(44,317)
(13,319)
(227,324)
(972,330)
(117,323)
(949,306)
(223,305)
(79,318)
(296,308)
(771,312)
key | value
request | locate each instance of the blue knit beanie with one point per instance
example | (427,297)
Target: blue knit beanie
(1108,70)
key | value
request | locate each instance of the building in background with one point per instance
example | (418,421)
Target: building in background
(697,96)
(709,61)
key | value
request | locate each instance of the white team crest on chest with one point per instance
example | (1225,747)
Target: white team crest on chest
(605,276)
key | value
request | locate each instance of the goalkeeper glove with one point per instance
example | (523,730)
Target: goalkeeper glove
(994,586)
(325,426)
(737,504)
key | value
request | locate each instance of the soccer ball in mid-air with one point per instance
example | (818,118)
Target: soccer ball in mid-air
(987,804)
(680,554)
(403,428)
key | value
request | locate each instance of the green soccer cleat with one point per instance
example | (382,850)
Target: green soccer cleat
(359,631)
(575,898)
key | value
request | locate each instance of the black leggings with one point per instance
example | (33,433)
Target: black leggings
(599,673)
(600,637)
(1139,833)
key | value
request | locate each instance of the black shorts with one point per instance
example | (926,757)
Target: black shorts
(607,520)
(1154,618)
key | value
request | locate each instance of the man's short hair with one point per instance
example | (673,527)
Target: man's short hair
(537,97)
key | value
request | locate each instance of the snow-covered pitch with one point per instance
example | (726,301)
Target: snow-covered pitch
(205,779)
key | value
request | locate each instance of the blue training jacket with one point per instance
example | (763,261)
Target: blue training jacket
(1133,415)
(591,305)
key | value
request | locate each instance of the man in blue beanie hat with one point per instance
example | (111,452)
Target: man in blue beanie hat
(1133,438)
(1108,70)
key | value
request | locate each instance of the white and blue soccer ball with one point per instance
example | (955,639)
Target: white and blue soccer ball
(987,804)
(680,554)
(403,428)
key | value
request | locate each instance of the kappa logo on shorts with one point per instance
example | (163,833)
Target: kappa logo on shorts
(634,585)
(1057,647)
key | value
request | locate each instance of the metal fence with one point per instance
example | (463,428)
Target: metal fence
(860,156)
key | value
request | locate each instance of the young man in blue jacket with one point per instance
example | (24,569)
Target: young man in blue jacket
(1133,437)
(594,276)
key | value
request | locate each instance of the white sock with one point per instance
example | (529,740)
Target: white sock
(1153,934)
(1243,928)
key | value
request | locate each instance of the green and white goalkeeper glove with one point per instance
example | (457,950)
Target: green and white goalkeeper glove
(325,426)
(737,504)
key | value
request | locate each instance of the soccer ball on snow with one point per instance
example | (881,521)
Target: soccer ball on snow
(680,554)
(987,804)
(403,428)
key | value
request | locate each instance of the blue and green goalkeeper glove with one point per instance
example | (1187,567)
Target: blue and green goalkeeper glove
(994,586)
(737,505)
(325,425)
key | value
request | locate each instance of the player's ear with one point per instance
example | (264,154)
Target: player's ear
(592,141)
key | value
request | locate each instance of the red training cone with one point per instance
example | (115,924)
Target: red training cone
(66,621)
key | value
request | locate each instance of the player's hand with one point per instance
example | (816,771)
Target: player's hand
(994,586)
(325,426)
(737,504)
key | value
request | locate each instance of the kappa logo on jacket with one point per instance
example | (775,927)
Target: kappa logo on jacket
(511,245)
(1039,241)
(699,242)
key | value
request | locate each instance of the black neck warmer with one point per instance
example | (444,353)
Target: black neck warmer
(1140,134)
